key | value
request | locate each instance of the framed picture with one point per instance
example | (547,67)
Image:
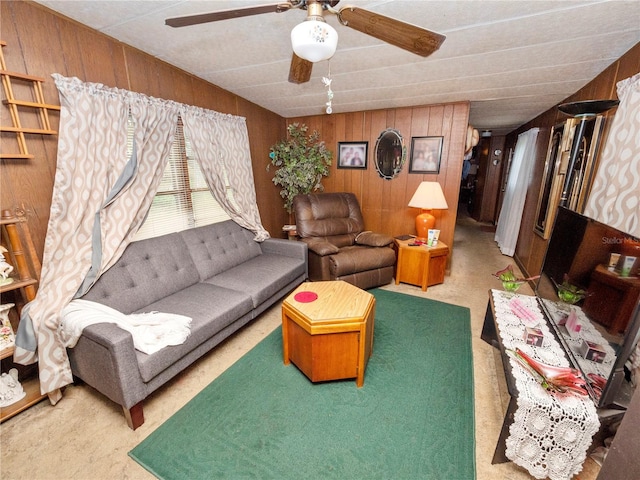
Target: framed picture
(425,154)
(352,154)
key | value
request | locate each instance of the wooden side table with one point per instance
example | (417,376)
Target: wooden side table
(421,265)
(608,288)
(329,337)
(290,232)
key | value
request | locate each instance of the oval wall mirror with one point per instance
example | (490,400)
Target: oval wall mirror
(390,153)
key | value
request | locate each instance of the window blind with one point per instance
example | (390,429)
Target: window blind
(183,199)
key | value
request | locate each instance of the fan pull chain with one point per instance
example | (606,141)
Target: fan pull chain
(327,83)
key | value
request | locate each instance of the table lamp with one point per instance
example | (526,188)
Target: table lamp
(428,197)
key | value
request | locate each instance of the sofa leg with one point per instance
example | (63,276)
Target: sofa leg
(134,415)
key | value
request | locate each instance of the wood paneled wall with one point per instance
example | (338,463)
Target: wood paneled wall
(41,42)
(531,248)
(384,202)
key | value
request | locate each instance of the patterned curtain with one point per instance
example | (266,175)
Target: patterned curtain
(221,145)
(516,192)
(100,199)
(615,199)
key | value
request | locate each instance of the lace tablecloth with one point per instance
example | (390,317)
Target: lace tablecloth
(588,332)
(551,432)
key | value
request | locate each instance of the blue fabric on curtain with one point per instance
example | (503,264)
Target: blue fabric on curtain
(96,238)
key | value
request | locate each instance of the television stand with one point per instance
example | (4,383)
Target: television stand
(541,418)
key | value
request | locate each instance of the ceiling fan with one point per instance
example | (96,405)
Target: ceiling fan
(316,40)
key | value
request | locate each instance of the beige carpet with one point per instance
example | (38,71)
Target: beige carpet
(85,436)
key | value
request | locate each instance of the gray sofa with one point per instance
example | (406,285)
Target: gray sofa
(216,274)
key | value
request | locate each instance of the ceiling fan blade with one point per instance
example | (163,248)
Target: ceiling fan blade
(300,70)
(404,35)
(227,14)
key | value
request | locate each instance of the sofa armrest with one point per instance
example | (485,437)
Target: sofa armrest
(288,248)
(105,358)
(113,338)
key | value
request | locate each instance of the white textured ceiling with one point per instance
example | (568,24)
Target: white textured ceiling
(512,59)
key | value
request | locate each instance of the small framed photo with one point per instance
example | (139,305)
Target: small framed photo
(352,154)
(425,155)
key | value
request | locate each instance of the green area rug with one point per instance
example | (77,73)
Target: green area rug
(412,419)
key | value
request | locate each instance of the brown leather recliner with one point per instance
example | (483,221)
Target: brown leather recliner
(339,248)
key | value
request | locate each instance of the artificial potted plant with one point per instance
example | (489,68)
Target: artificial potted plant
(301,160)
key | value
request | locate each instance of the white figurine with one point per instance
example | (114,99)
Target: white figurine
(5,268)
(327,83)
(10,389)
(7,337)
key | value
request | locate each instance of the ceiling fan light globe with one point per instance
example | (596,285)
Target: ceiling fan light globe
(314,41)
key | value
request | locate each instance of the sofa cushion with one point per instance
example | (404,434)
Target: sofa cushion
(211,309)
(219,247)
(147,271)
(262,276)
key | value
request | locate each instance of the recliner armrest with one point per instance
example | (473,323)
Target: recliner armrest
(372,239)
(321,247)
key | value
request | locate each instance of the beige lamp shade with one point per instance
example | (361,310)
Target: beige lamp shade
(428,196)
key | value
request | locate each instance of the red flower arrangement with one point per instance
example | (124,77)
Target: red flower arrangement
(557,379)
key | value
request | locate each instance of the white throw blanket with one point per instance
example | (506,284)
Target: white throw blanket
(151,331)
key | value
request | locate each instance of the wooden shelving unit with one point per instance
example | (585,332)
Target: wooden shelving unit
(13,105)
(16,238)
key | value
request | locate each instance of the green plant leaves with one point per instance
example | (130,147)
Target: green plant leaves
(301,160)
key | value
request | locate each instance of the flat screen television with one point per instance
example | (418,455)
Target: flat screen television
(579,267)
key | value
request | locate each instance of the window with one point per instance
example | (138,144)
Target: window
(183,199)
